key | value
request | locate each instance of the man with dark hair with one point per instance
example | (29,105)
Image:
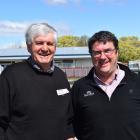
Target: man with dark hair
(106,102)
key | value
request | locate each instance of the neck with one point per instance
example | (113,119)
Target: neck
(45,67)
(105,77)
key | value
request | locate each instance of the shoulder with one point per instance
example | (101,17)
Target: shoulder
(57,70)
(15,68)
(126,69)
(59,74)
(80,82)
(60,78)
(138,77)
(85,81)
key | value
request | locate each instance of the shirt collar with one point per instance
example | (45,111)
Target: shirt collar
(34,65)
(98,80)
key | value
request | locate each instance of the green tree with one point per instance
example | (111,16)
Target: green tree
(82,41)
(129,48)
(130,40)
(67,41)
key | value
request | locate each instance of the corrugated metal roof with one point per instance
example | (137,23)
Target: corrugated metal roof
(13,52)
(65,52)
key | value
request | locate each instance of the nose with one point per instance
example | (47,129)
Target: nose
(44,47)
(103,56)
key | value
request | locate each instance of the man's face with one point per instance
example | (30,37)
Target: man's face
(42,49)
(104,58)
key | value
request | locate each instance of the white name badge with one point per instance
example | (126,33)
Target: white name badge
(62,91)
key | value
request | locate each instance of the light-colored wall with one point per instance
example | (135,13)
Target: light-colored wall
(83,62)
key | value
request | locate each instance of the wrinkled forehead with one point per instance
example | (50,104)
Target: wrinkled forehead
(45,38)
(43,34)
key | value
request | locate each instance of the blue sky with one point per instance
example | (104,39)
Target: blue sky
(69,17)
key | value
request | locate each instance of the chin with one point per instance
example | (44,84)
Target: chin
(44,62)
(104,69)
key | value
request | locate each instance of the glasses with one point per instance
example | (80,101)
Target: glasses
(107,52)
(41,43)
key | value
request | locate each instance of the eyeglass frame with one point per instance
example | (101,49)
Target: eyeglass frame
(107,52)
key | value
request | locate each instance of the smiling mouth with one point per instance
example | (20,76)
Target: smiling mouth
(44,54)
(103,63)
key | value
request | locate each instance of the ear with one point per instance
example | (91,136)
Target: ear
(29,48)
(117,53)
(55,47)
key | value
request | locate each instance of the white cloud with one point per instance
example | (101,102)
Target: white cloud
(62,28)
(9,27)
(111,1)
(55,2)
(18,28)
(12,33)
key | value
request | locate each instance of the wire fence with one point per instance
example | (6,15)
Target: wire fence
(76,72)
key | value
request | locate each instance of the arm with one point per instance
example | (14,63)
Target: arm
(4,106)
(70,131)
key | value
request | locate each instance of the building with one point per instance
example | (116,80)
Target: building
(75,61)
(134,65)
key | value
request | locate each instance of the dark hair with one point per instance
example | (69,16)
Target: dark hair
(102,36)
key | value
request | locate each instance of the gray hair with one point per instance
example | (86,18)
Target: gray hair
(37,29)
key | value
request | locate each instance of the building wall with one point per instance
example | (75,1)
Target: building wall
(134,65)
(83,62)
(74,68)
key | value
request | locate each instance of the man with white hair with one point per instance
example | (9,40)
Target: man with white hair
(35,102)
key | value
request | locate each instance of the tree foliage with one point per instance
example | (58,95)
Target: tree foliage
(129,47)
(70,41)
(82,41)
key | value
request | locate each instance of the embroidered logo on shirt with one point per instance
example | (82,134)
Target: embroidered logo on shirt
(88,93)
(62,91)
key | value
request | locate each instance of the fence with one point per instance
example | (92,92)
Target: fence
(76,72)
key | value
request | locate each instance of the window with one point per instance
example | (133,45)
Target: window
(68,63)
